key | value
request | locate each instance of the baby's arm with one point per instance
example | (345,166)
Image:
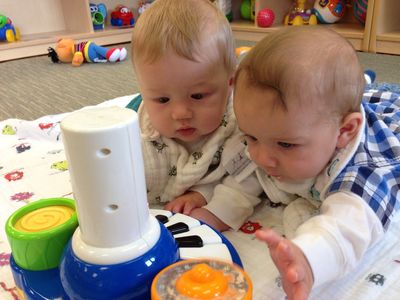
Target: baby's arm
(209,218)
(191,203)
(233,202)
(296,273)
(328,246)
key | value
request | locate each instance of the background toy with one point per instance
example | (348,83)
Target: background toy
(245,9)
(329,11)
(8,32)
(300,14)
(122,16)
(265,17)
(360,10)
(143,5)
(99,15)
(242,50)
(67,51)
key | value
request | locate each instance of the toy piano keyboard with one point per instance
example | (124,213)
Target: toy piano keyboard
(193,238)
(196,239)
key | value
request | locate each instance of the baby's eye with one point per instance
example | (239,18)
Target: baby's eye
(285,145)
(163,99)
(249,138)
(197,96)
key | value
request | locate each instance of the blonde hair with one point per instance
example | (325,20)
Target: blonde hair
(188,27)
(313,65)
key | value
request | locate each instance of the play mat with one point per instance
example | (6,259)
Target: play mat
(33,166)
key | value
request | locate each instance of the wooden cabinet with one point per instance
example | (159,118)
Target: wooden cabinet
(357,33)
(385,31)
(43,22)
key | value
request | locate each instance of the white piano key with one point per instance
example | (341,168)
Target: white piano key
(189,221)
(216,251)
(207,235)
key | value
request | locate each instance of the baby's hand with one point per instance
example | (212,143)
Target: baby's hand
(186,203)
(296,273)
(209,218)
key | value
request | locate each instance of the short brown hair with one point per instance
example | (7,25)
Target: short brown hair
(183,26)
(307,63)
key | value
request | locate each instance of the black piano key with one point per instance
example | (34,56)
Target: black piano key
(190,241)
(178,228)
(162,219)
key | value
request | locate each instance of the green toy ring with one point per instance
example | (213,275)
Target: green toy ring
(39,231)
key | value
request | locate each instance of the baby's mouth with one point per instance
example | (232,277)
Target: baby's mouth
(188,131)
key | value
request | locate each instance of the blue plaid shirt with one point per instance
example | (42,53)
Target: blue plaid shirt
(373,173)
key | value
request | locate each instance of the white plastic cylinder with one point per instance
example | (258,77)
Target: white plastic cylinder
(103,150)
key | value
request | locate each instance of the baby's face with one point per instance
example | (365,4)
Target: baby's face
(290,145)
(185,100)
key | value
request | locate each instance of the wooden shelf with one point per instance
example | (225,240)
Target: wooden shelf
(349,27)
(68,18)
(245,30)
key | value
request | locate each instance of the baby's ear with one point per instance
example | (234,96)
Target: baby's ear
(349,128)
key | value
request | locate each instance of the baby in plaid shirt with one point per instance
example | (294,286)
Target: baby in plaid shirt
(320,144)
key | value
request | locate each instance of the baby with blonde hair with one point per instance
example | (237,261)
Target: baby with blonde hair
(184,58)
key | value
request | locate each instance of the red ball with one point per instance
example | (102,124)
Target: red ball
(265,17)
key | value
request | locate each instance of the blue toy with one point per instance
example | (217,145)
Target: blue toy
(99,15)
(120,245)
(8,32)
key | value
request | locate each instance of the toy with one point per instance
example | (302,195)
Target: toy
(120,245)
(99,15)
(122,16)
(329,11)
(67,51)
(245,9)
(202,279)
(143,5)
(360,10)
(8,32)
(300,15)
(242,51)
(265,17)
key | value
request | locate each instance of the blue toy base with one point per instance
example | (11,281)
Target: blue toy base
(76,279)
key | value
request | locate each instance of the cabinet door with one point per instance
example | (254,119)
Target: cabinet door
(385,31)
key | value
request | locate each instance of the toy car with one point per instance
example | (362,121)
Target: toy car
(122,16)
(8,32)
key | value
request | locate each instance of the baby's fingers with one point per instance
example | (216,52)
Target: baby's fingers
(269,236)
(187,208)
(174,206)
